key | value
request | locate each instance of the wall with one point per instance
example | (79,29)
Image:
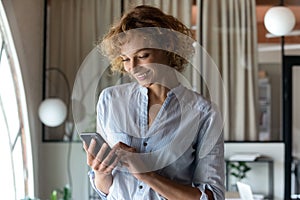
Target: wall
(54,169)
(270,59)
(50,159)
(296,112)
(270,56)
(25,19)
(257,179)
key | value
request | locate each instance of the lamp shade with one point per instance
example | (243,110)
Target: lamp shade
(279,20)
(52,112)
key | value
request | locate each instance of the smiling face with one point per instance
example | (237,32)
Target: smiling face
(146,65)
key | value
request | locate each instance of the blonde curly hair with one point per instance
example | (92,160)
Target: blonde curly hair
(140,19)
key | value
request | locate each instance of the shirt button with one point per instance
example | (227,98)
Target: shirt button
(145,144)
(140,187)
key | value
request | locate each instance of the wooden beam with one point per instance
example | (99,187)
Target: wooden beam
(277,2)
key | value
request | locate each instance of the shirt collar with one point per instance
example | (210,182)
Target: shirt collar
(176,90)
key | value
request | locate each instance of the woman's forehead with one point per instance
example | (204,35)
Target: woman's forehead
(135,42)
(151,38)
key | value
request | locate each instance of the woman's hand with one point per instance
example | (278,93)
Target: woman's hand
(102,164)
(130,158)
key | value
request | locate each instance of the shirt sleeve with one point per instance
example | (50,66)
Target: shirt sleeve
(209,172)
(91,175)
(100,110)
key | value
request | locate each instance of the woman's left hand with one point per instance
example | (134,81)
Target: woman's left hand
(130,158)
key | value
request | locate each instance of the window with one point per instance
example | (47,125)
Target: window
(16,169)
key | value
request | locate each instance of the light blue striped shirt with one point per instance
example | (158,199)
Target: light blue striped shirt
(184,143)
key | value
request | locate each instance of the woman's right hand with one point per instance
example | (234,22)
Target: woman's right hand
(102,164)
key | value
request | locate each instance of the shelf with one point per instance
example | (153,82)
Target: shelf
(268,164)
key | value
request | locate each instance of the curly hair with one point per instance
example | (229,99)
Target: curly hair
(140,18)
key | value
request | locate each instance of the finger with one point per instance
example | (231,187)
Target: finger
(92,146)
(93,143)
(110,157)
(125,154)
(123,146)
(98,159)
(84,145)
(95,165)
(123,157)
(90,156)
(107,169)
(113,165)
(102,151)
(89,159)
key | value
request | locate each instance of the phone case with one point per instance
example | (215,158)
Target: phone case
(87,137)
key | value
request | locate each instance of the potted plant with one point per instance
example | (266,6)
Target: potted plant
(238,169)
(61,194)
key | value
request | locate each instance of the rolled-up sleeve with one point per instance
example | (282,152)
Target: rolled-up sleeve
(91,175)
(209,172)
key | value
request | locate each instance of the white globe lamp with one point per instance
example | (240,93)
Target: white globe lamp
(53,112)
(279,20)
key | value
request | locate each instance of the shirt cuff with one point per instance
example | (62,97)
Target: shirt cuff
(203,187)
(202,190)
(91,175)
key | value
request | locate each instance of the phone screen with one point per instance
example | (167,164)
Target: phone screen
(87,138)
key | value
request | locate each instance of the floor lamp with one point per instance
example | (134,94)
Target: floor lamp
(279,21)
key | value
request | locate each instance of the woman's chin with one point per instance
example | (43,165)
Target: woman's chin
(145,83)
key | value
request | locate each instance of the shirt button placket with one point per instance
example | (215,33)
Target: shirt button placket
(144,145)
(141,188)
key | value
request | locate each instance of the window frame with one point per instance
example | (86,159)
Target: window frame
(23,137)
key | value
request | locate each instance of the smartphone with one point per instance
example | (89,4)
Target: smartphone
(87,138)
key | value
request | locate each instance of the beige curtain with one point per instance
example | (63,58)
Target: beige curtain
(180,9)
(74,27)
(230,38)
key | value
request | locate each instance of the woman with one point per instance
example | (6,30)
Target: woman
(167,139)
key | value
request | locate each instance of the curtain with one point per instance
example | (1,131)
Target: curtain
(229,36)
(75,26)
(73,29)
(178,8)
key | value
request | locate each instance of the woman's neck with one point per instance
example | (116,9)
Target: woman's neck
(157,94)
(156,97)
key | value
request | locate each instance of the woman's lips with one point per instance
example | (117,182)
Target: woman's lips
(141,76)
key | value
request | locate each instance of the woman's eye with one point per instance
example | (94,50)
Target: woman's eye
(125,59)
(145,55)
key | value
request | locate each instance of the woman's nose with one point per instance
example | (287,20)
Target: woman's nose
(132,64)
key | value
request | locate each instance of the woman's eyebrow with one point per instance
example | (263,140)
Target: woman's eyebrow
(136,52)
